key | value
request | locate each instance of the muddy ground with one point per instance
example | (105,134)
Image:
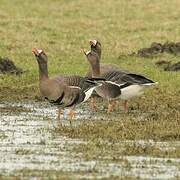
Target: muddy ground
(157,47)
(32,146)
(168,66)
(7,66)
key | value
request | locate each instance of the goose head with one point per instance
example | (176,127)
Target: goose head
(95,46)
(40,55)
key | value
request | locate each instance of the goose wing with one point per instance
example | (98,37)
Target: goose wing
(137,79)
(71,80)
(121,77)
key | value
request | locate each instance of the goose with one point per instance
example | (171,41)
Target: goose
(63,91)
(97,68)
(102,68)
(132,84)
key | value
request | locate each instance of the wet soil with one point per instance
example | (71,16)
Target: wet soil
(156,48)
(173,67)
(168,66)
(162,62)
(8,66)
(30,147)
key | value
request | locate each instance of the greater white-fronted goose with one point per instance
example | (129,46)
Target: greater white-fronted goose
(96,47)
(100,67)
(63,91)
(132,84)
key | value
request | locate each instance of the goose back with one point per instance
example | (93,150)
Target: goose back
(121,77)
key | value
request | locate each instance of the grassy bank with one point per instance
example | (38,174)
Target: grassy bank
(62,28)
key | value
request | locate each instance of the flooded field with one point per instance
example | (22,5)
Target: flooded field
(30,147)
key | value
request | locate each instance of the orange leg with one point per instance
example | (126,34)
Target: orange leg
(59,117)
(115,104)
(125,106)
(71,115)
(110,107)
(93,103)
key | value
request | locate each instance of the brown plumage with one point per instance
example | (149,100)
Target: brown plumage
(96,67)
(62,91)
(134,83)
(103,68)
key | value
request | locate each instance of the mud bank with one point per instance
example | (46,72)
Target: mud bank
(30,148)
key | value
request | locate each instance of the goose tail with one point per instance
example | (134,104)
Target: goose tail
(150,84)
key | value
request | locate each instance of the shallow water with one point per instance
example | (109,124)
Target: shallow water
(27,142)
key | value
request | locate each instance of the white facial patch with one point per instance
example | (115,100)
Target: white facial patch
(94,42)
(39,51)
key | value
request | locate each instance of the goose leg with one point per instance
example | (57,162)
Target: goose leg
(110,106)
(115,104)
(59,117)
(125,106)
(93,103)
(71,115)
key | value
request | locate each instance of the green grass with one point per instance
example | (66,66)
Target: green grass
(62,27)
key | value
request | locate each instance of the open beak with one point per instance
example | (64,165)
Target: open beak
(93,42)
(85,52)
(34,50)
